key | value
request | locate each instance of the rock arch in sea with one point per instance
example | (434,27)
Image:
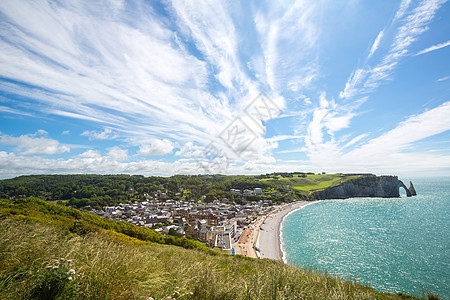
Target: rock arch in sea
(411,191)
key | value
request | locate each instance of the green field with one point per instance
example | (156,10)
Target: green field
(310,182)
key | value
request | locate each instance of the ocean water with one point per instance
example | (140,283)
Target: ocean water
(392,244)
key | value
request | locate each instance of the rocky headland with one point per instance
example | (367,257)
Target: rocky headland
(365,186)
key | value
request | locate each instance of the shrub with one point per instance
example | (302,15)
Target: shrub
(57,281)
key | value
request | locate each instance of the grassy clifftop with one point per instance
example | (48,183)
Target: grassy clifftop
(309,182)
(48,251)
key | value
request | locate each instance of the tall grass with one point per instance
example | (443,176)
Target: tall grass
(108,265)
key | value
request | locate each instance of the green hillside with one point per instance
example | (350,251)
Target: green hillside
(310,182)
(96,191)
(49,251)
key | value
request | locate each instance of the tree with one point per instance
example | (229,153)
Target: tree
(173,232)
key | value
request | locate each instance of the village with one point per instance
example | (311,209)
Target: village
(220,224)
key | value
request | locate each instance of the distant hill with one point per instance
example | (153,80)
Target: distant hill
(97,191)
(48,251)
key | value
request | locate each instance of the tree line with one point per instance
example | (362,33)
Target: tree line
(106,190)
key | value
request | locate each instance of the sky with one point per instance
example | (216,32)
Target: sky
(224,87)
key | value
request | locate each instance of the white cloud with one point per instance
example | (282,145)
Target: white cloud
(402,9)
(89,64)
(365,79)
(284,137)
(138,76)
(90,154)
(106,134)
(434,47)
(189,150)
(212,30)
(356,78)
(13,111)
(295,150)
(157,147)
(415,24)
(118,154)
(327,117)
(355,140)
(135,75)
(386,154)
(161,81)
(259,164)
(37,143)
(390,153)
(283,30)
(92,162)
(443,78)
(376,43)
(414,129)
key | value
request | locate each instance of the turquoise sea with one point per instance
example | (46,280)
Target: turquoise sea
(392,244)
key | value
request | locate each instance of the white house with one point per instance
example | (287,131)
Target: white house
(257,191)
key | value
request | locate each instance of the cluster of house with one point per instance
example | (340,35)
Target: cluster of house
(218,224)
(246,192)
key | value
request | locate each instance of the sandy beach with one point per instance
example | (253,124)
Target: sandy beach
(268,244)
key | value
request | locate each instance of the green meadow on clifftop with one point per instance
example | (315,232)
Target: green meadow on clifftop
(309,182)
(49,251)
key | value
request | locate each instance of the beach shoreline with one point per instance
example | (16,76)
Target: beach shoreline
(268,242)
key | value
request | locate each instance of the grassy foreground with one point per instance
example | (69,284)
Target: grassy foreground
(44,259)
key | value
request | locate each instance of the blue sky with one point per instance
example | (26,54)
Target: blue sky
(241,87)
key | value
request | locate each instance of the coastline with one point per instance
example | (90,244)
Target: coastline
(268,243)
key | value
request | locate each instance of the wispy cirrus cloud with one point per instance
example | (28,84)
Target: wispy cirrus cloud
(365,79)
(284,137)
(392,147)
(87,63)
(376,43)
(392,151)
(13,111)
(355,140)
(172,77)
(402,9)
(209,25)
(433,48)
(330,116)
(282,32)
(143,74)
(413,129)
(443,78)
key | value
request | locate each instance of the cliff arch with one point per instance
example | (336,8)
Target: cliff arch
(402,185)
